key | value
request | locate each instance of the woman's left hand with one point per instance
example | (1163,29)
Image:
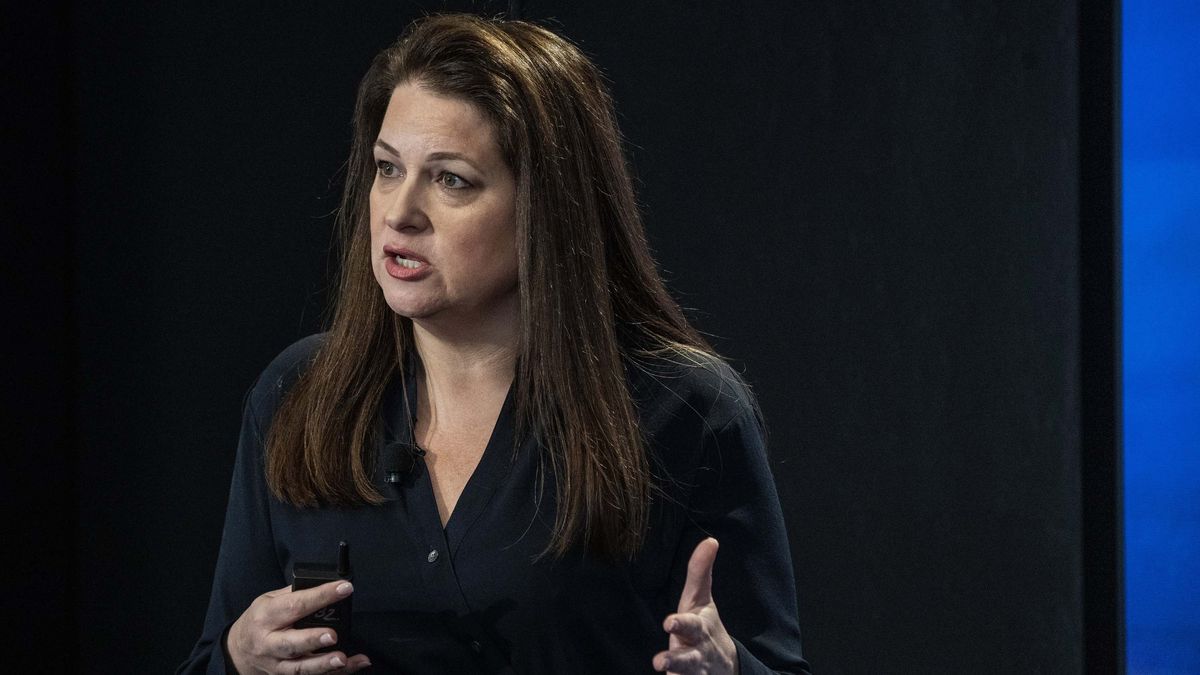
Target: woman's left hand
(699,644)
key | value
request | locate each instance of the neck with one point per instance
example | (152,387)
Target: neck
(468,355)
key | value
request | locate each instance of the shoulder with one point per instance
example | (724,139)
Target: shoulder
(698,389)
(282,372)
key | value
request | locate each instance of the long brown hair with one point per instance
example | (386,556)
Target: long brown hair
(591,298)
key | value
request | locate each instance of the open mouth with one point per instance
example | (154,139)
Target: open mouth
(402,263)
(404,257)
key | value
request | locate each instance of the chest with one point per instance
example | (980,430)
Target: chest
(449,566)
(454,448)
(450,462)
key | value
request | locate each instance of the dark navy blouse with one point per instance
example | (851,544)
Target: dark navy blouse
(469,598)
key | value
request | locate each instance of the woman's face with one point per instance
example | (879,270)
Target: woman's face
(443,233)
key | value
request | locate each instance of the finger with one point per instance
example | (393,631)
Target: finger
(320,664)
(684,661)
(697,590)
(288,608)
(357,663)
(294,643)
(689,628)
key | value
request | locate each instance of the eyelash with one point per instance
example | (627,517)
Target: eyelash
(443,175)
(382,164)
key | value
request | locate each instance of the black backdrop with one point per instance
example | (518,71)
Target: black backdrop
(896,217)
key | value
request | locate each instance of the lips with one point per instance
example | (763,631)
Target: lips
(397,251)
(401,263)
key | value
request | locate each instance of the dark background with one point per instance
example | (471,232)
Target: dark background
(898,218)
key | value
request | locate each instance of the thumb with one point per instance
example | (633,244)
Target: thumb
(697,590)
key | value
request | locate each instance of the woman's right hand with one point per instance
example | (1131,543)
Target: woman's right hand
(262,640)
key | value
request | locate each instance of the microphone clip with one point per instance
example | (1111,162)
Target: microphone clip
(401,457)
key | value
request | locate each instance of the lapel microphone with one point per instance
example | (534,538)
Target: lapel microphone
(399,459)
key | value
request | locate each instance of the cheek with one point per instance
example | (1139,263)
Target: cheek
(503,251)
(480,255)
(493,235)
(489,258)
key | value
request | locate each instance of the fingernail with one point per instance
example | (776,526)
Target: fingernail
(674,625)
(345,589)
(336,662)
(666,664)
(327,639)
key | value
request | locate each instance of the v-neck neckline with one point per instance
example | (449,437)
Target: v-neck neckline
(480,486)
(482,483)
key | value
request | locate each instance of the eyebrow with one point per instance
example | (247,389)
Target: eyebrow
(432,155)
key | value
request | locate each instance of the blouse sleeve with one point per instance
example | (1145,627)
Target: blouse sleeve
(736,502)
(246,565)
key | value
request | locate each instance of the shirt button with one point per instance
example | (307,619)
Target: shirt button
(433,556)
(476,647)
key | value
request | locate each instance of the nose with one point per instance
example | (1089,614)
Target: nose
(403,208)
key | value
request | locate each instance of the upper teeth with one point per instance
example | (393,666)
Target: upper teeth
(405,262)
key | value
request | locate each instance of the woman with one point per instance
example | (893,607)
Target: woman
(568,444)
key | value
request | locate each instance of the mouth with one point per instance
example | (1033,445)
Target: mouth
(402,263)
(404,257)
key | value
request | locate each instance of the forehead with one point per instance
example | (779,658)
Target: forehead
(418,120)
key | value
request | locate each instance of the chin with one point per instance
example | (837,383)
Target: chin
(404,301)
(409,308)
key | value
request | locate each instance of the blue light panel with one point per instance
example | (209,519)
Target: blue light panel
(1161,287)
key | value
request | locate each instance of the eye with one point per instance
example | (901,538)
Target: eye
(452,181)
(386,168)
